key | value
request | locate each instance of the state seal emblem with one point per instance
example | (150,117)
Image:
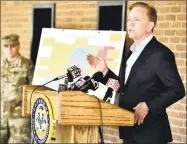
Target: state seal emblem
(42,120)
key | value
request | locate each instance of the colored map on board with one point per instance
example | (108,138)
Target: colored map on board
(60,49)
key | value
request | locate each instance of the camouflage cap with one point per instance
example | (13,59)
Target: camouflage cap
(10,39)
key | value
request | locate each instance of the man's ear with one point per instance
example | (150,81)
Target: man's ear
(150,26)
(18,47)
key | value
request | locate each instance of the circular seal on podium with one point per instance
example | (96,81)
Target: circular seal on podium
(42,120)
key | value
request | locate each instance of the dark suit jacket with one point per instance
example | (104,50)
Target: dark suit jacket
(153,79)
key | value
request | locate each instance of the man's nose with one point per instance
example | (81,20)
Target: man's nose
(132,23)
(9,47)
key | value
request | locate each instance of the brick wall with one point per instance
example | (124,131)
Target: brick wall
(16,17)
(171,30)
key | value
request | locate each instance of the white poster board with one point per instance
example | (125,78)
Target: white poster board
(60,49)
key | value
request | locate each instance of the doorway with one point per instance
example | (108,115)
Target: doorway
(42,17)
(111,15)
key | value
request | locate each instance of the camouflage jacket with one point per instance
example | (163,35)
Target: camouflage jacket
(14,75)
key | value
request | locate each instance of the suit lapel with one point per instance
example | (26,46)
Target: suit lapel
(142,58)
(122,77)
(122,73)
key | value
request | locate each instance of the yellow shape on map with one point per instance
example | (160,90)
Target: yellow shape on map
(115,37)
(60,56)
(112,65)
(81,42)
(112,54)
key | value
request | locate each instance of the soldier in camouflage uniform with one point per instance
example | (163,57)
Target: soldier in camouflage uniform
(16,71)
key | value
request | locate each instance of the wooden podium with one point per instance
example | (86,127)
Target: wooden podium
(78,115)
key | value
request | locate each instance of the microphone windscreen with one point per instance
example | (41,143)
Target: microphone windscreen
(86,78)
(98,76)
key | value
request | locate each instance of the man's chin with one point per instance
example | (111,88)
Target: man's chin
(10,56)
(131,36)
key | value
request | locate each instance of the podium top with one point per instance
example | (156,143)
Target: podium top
(78,108)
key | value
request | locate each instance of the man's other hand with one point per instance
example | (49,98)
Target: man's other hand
(141,111)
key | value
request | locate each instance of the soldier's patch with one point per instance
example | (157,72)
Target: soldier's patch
(42,120)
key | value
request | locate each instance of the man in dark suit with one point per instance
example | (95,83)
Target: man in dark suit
(149,80)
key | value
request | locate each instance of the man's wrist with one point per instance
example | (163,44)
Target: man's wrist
(146,106)
(105,71)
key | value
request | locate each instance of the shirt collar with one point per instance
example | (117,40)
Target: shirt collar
(17,61)
(139,48)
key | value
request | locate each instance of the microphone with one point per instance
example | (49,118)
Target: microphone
(77,85)
(108,94)
(113,85)
(92,83)
(73,72)
(64,86)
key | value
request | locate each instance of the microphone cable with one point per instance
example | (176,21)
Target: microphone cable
(32,139)
(101,116)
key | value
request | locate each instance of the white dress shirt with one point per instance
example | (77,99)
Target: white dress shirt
(136,51)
